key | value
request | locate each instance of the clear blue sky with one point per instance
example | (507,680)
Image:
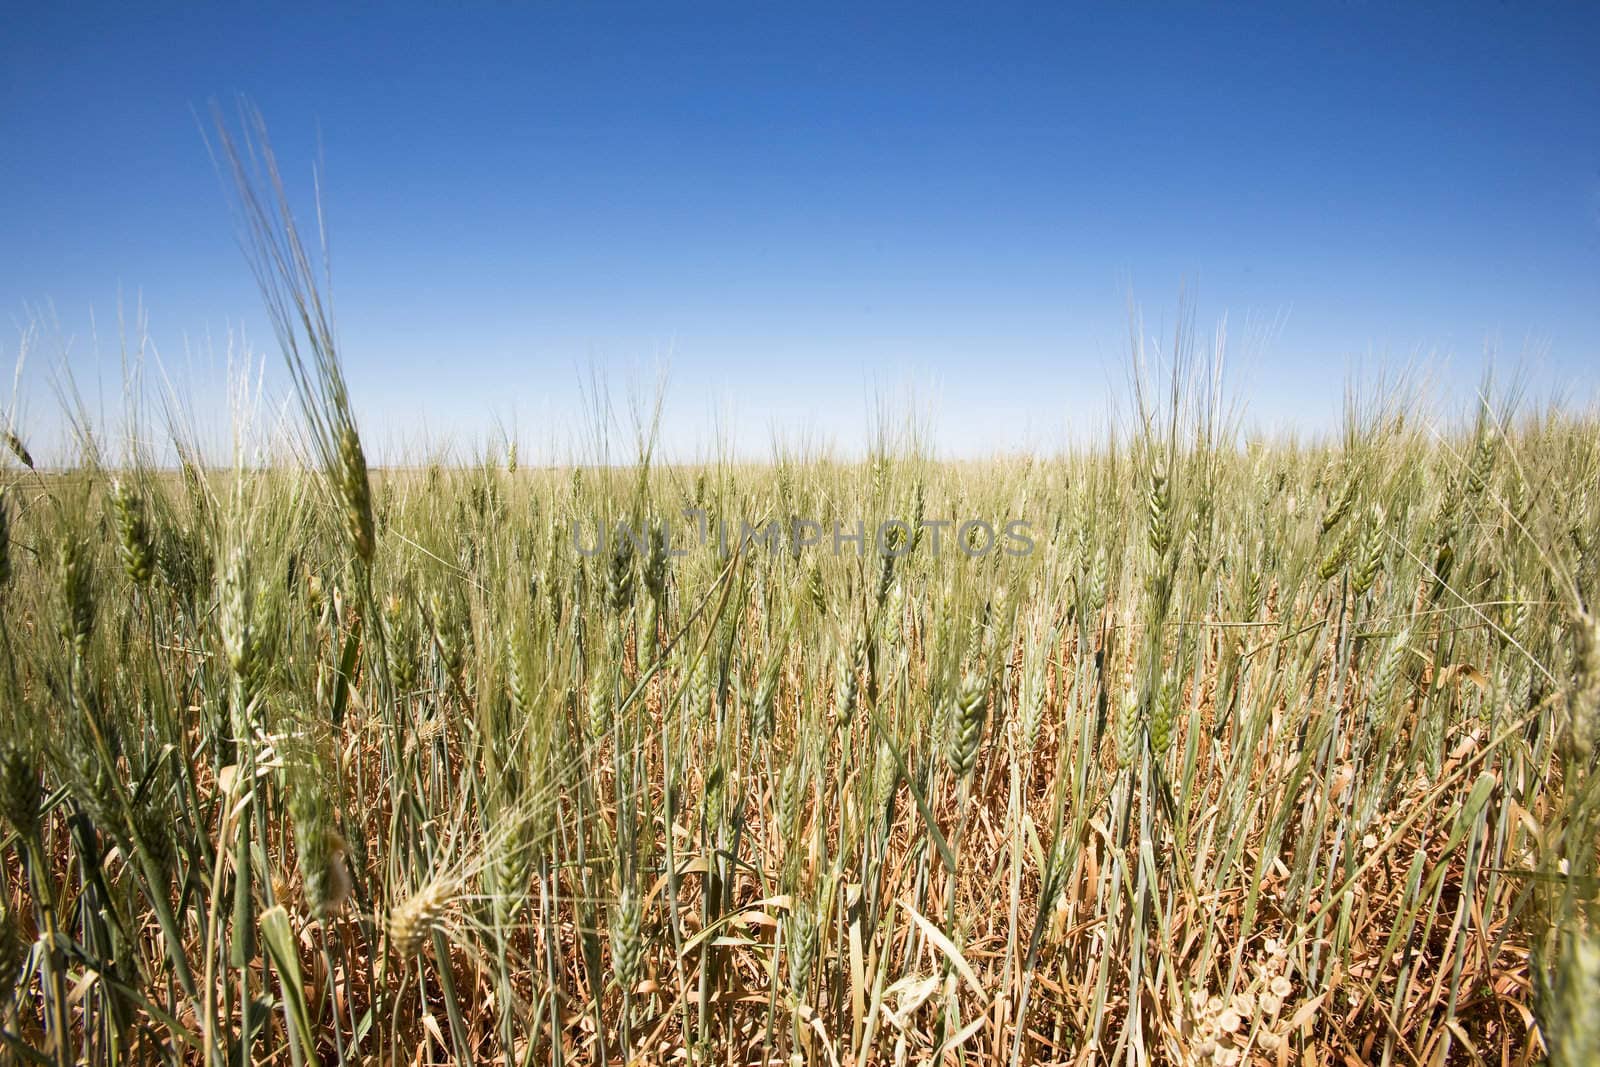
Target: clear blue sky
(796,207)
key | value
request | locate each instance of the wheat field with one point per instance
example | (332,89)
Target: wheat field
(1240,752)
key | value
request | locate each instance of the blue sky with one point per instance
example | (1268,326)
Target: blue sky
(797,209)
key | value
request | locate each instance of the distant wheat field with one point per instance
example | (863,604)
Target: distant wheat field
(1183,748)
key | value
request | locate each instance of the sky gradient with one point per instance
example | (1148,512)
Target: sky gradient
(796,209)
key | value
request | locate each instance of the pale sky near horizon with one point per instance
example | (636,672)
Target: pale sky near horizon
(808,213)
